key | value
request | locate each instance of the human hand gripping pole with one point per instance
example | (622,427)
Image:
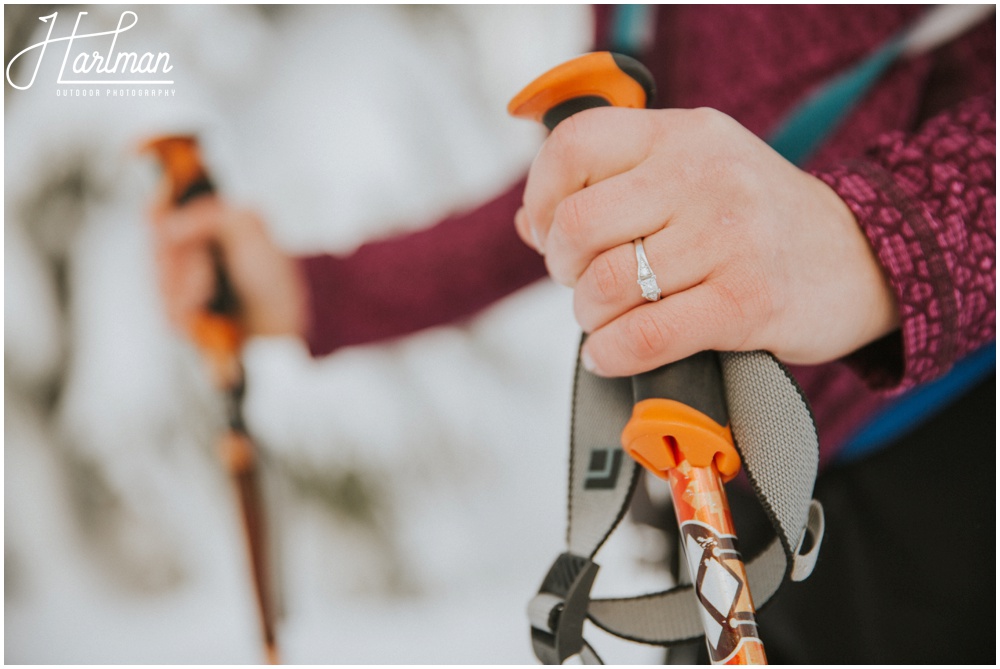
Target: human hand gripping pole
(679,428)
(216,331)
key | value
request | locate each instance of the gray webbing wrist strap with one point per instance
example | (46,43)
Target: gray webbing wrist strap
(776,436)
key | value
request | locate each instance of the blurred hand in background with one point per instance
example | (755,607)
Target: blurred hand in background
(267,281)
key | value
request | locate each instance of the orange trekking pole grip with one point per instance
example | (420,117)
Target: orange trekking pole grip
(679,428)
(217,333)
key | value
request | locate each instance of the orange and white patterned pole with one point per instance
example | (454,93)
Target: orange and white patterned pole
(715,565)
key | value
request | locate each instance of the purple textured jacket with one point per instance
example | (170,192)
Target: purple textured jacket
(915,162)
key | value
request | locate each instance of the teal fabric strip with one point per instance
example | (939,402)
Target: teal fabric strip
(916,406)
(630,26)
(812,121)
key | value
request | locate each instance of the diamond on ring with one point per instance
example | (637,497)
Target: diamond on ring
(647,280)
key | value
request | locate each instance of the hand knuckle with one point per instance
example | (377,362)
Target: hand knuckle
(645,336)
(725,316)
(566,135)
(710,120)
(571,221)
(606,276)
(745,302)
(755,293)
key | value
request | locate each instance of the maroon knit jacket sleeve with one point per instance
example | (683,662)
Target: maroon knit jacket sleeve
(927,203)
(399,285)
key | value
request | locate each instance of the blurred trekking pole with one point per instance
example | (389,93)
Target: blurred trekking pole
(217,333)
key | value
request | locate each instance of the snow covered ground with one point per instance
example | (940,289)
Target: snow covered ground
(417,488)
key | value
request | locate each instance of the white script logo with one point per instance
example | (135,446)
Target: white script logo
(95,64)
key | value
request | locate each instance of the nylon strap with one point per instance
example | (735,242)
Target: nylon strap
(776,436)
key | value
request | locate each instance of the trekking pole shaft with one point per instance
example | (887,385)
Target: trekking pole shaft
(715,565)
(239,454)
(217,332)
(679,431)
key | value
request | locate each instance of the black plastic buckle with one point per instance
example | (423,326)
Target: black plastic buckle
(562,601)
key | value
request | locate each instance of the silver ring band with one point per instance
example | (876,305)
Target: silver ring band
(647,280)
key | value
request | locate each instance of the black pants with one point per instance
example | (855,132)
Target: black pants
(906,574)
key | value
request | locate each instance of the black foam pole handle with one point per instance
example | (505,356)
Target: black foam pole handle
(695,381)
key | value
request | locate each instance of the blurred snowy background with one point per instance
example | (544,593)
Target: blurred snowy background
(415,489)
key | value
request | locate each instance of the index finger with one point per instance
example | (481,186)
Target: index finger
(197,222)
(584,149)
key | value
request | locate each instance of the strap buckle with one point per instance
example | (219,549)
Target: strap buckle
(559,609)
